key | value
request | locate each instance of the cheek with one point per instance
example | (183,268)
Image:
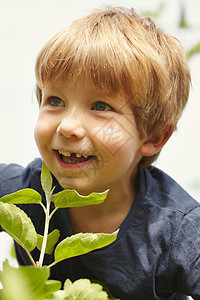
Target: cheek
(115,137)
(41,132)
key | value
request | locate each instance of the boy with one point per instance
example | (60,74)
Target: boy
(111,88)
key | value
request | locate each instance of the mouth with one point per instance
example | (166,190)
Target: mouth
(74,158)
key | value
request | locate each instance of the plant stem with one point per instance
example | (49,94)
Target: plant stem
(53,264)
(53,212)
(31,258)
(43,207)
(46,229)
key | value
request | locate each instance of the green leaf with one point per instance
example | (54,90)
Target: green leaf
(14,285)
(71,198)
(26,282)
(51,241)
(194,50)
(46,179)
(183,20)
(83,289)
(59,295)
(50,287)
(25,196)
(82,243)
(18,225)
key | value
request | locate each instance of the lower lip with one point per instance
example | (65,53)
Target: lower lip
(67,166)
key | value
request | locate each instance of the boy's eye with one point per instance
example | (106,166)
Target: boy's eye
(55,101)
(101,106)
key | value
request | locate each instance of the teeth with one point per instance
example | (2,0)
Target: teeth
(65,153)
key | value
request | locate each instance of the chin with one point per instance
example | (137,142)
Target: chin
(74,185)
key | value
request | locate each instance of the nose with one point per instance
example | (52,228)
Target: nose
(71,125)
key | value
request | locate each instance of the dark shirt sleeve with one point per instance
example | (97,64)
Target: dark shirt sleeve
(10,179)
(14,177)
(185,256)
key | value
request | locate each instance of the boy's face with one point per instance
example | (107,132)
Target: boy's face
(88,140)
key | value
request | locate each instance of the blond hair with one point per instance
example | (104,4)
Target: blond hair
(119,51)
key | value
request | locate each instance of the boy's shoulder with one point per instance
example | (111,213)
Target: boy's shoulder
(163,191)
(14,177)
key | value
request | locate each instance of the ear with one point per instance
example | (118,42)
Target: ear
(154,145)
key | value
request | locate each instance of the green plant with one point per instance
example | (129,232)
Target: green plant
(31,282)
(181,24)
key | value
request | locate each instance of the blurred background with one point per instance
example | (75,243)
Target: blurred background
(26,25)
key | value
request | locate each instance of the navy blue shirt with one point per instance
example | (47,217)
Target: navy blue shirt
(157,251)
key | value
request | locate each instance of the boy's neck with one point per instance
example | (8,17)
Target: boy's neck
(106,217)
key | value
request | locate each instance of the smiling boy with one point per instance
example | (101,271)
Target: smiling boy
(111,88)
